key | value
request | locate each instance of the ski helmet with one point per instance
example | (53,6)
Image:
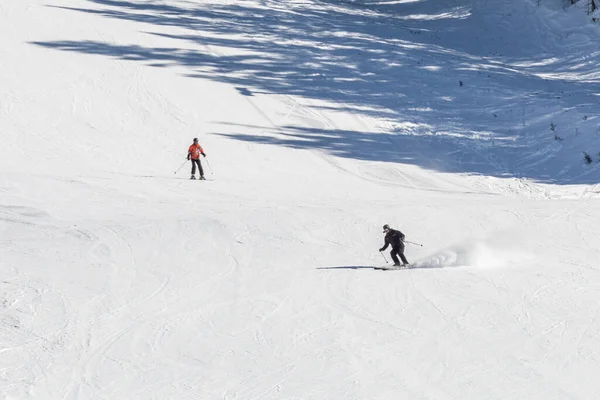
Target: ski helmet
(386,227)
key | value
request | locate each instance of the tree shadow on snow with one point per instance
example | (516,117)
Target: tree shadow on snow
(451,103)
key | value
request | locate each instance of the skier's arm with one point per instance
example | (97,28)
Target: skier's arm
(385,245)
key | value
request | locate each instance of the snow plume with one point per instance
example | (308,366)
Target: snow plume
(496,250)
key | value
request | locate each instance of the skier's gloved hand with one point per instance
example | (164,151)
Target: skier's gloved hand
(188,157)
(203,154)
(381,249)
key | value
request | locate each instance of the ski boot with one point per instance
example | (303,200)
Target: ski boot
(193,177)
(202,178)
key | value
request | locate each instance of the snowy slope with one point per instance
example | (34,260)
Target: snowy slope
(322,120)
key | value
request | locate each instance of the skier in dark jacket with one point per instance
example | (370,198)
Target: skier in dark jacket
(396,239)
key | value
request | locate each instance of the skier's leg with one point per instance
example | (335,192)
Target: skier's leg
(404,260)
(194,167)
(200,169)
(401,253)
(394,256)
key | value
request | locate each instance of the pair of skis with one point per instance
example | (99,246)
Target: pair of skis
(392,267)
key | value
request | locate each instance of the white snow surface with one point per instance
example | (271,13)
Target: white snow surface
(322,120)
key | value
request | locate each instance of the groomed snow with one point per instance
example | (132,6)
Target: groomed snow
(462,123)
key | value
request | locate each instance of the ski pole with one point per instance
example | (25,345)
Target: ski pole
(180,167)
(417,244)
(208,163)
(382,255)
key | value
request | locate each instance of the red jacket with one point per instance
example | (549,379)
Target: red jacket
(194,151)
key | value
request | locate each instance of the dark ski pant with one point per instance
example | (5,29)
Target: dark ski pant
(398,251)
(194,162)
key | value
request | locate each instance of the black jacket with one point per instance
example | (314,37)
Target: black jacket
(394,238)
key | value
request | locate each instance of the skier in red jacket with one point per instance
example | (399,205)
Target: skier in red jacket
(194,154)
